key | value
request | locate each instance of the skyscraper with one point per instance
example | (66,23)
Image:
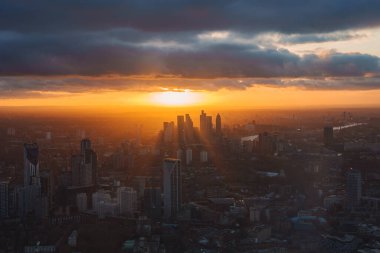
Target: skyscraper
(181,129)
(4,199)
(84,145)
(189,129)
(172,187)
(205,123)
(31,164)
(218,124)
(152,202)
(127,199)
(29,196)
(84,165)
(168,132)
(353,188)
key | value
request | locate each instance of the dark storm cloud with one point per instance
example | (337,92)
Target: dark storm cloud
(293,16)
(43,44)
(77,54)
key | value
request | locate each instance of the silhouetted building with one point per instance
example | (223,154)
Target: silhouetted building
(189,129)
(31,164)
(172,187)
(168,132)
(84,165)
(353,189)
(152,203)
(85,144)
(4,199)
(181,129)
(205,123)
(218,124)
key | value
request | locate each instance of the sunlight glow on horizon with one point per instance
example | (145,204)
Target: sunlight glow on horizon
(176,98)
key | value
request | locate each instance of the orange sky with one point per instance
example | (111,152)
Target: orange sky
(254,97)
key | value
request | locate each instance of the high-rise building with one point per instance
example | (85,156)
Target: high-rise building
(209,124)
(218,124)
(31,164)
(4,199)
(353,188)
(328,135)
(84,145)
(76,170)
(168,132)
(30,199)
(172,187)
(127,199)
(181,129)
(152,202)
(90,167)
(84,165)
(98,197)
(205,124)
(82,201)
(189,129)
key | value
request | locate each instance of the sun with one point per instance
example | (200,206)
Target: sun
(176,98)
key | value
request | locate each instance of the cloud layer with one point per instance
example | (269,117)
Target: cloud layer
(74,46)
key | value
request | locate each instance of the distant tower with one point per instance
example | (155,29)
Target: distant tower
(172,187)
(328,135)
(181,129)
(189,129)
(84,145)
(168,132)
(218,124)
(31,164)
(4,199)
(203,122)
(353,188)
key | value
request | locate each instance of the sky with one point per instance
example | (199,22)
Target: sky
(247,53)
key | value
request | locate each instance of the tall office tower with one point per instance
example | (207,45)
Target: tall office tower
(31,164)
(84,145)
(90,167)
(152,202)
(76,170)
(4,199)
(181,129)
(328,135)
(189,156)
(127,199)
(218,124)
(84,165)
(209,124)
(189,129)
(203,122)
(82,201)
(168,132)
(172,187)
(353,189)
